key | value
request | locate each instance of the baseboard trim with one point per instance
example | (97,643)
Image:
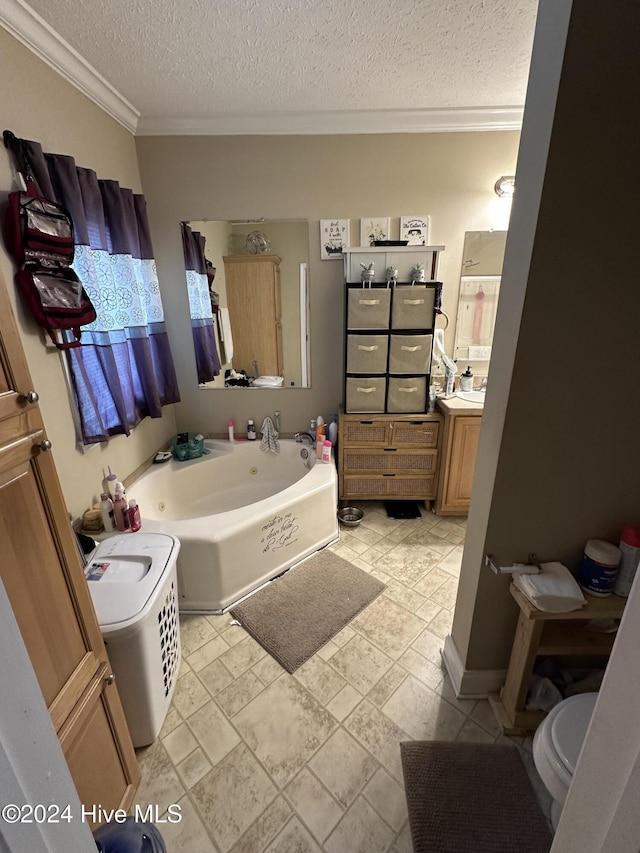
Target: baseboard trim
(469,683)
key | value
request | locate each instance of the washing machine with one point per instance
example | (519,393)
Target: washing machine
(132,578)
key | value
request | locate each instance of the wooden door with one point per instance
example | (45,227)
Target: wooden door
(253,299)
(44,579)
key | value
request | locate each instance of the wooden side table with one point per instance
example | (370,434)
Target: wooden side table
(542,633)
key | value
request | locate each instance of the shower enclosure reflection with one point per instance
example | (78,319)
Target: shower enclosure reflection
(260,301)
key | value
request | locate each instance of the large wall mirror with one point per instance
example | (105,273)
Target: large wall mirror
(258,283)
(482,258)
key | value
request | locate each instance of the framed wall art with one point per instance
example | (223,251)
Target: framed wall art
(415,229)
(334,238)
(374,228)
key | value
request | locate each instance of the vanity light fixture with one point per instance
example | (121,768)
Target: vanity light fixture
(505,186)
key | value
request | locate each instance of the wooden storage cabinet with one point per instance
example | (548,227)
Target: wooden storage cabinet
(459,452)
(388,456)
(253,299)
(541,633)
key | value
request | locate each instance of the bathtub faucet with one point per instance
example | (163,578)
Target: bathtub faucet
(300,437)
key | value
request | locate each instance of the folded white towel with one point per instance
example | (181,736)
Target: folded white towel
(554,589)
(269,437)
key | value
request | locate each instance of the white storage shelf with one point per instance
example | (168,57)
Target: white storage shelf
(402,258)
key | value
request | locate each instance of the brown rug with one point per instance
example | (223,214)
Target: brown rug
(299,612)
(471,798)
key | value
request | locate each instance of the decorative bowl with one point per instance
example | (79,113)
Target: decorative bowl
(350,516)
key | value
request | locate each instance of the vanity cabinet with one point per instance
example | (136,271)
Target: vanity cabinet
(386,457)
(389,329)
(44,580)
(462,423)
(253,300)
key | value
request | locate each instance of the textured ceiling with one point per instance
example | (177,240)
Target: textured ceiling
(206,58)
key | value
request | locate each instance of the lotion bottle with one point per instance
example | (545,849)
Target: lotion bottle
(106,511)
(134,516)
(230,428)
(326,451)
(120,509)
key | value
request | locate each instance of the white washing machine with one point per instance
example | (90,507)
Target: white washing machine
(133,582)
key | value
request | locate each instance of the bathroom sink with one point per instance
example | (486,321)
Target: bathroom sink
(471,396)
(268,381)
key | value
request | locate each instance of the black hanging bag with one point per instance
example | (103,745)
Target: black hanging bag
(39,236)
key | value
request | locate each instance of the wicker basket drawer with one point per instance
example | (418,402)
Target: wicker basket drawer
(410,354)
(389,486)
(413,307)
(368,308)
(420,433)
(367,354)
(391,459)
(364,432)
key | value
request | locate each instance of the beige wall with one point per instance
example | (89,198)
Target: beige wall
(36,103)
(448,176)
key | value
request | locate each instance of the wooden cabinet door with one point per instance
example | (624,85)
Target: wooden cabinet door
(461,458)
(253,299)
(44,579)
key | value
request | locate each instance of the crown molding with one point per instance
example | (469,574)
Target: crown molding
(36,34)
(459,120)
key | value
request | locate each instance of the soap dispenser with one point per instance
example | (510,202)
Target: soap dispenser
(466,380)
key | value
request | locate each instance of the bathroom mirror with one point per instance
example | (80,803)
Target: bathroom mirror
(258,272)
(482,258)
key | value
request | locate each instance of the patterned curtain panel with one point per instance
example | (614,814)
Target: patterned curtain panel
(204,338)
(124,371)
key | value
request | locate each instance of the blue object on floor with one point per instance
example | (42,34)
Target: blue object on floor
(131,836)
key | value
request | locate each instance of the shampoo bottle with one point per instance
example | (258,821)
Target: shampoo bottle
(120,509)
(134,516)
(106,511)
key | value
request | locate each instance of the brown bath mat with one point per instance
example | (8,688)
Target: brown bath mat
(471,798)
(299,612)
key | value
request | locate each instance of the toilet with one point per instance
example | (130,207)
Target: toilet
(557,744)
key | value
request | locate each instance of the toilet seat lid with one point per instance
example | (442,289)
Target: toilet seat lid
(570,726)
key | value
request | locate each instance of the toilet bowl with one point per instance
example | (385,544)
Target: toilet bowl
(557,744)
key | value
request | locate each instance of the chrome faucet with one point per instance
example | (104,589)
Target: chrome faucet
(300,437)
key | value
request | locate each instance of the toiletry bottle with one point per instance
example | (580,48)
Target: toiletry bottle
(466,380)
(134,516)
(326,451)
(106,511)
(276,420)
(120,508)
(230,427)
(109,483)
(251,430)
(332,431)
(320,437)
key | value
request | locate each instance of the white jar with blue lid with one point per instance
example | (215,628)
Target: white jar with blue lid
(599,567)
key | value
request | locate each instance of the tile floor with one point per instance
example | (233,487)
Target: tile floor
(260,760)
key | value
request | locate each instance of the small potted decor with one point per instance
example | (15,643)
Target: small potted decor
(367,273)
(418,273)
(392,275)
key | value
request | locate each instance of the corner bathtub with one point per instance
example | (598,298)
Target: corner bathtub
(243,516)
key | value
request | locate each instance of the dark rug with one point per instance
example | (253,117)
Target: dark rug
(299,612)
(402,509)
(471,798)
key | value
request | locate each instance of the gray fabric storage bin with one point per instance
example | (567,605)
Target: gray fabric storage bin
(412,307)
(367,353)
(368,307)
(410,353)
(365,394)
(407,395)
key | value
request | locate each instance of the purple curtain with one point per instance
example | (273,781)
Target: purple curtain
(123,371)
(204,338)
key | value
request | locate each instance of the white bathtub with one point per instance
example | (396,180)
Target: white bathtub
(243,516)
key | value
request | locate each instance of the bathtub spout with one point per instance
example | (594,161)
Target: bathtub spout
(300,437)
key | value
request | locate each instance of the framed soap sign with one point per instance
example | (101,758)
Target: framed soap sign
(415,229)
(334,238)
